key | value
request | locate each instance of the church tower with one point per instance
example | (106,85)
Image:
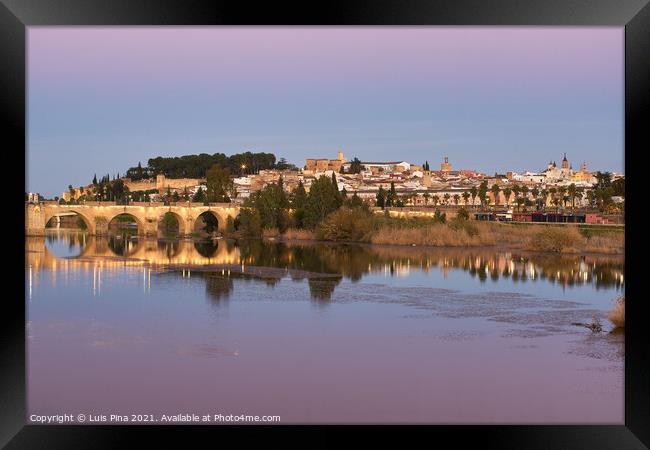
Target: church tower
(445,166)
(565,162)
(340,156)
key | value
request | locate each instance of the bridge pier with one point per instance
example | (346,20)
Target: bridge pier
(101,226)
(34,220)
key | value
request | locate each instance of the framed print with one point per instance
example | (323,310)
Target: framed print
(387,215)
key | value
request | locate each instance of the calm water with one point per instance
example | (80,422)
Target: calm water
(319,333)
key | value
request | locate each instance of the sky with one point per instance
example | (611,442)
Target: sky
(493,99)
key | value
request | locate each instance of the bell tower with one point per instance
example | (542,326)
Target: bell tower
(445,166)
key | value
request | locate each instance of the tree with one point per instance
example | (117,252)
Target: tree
(391,198)
(355,166)
(456,199)
(271,204)
(381,197)
(211,223)
(298,204)
(199,196)
(495,192)
(573,193)
(603,180)
(482,192)
(169,223)
(618,187)
(335,183)
(466,196)
(591,198)
(520,201)
(535,193)
(561,191)
(507,192)
(323,199)
(218,184)
(473,192)
(544,195)
(95,180)
(516,189)
(524,193)
(354,201)
(446,197)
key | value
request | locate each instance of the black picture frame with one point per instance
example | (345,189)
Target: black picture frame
(634,15)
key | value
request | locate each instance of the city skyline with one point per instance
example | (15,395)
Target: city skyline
(102,99)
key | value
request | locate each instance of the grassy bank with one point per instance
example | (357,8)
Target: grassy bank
(350,225)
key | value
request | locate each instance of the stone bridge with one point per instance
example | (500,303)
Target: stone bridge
(97,215)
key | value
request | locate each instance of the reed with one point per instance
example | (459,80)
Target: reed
(299,234)
(617,313)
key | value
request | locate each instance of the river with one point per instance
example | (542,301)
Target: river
(319,333)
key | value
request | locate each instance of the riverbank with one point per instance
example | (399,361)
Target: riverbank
(534,238)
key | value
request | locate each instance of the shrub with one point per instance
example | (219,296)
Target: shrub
(617,314)
(346,224)
(462,214)
(556,239)
(439,217)
(270,233)
(458,223)
(299,234)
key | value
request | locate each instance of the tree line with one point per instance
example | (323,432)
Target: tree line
(196,166)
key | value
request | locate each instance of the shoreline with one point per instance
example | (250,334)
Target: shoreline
(500,247)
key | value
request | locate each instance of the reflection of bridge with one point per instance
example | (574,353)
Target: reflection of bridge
(97,215)
(97,250)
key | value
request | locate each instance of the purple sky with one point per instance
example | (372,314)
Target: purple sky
(100,99)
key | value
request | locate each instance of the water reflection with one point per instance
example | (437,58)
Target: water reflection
(323,265)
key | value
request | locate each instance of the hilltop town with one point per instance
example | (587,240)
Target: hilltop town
(413,184)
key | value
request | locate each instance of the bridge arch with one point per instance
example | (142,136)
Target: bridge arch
(88,222)
(210,219)
(140,221)
(179,219)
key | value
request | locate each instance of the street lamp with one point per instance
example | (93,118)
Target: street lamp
(243,167)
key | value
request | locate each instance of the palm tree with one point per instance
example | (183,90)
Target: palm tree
(524,195)
(573,193)
(435,199)
(456,199)
(516,189)
(556,202)
(473,192)
(426,196)
(447,196)
(507,192)
(580,193)
(535,193)
(553,192)
(544,194)
(495,192)
(561,192)
(591,196)
(466,197)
